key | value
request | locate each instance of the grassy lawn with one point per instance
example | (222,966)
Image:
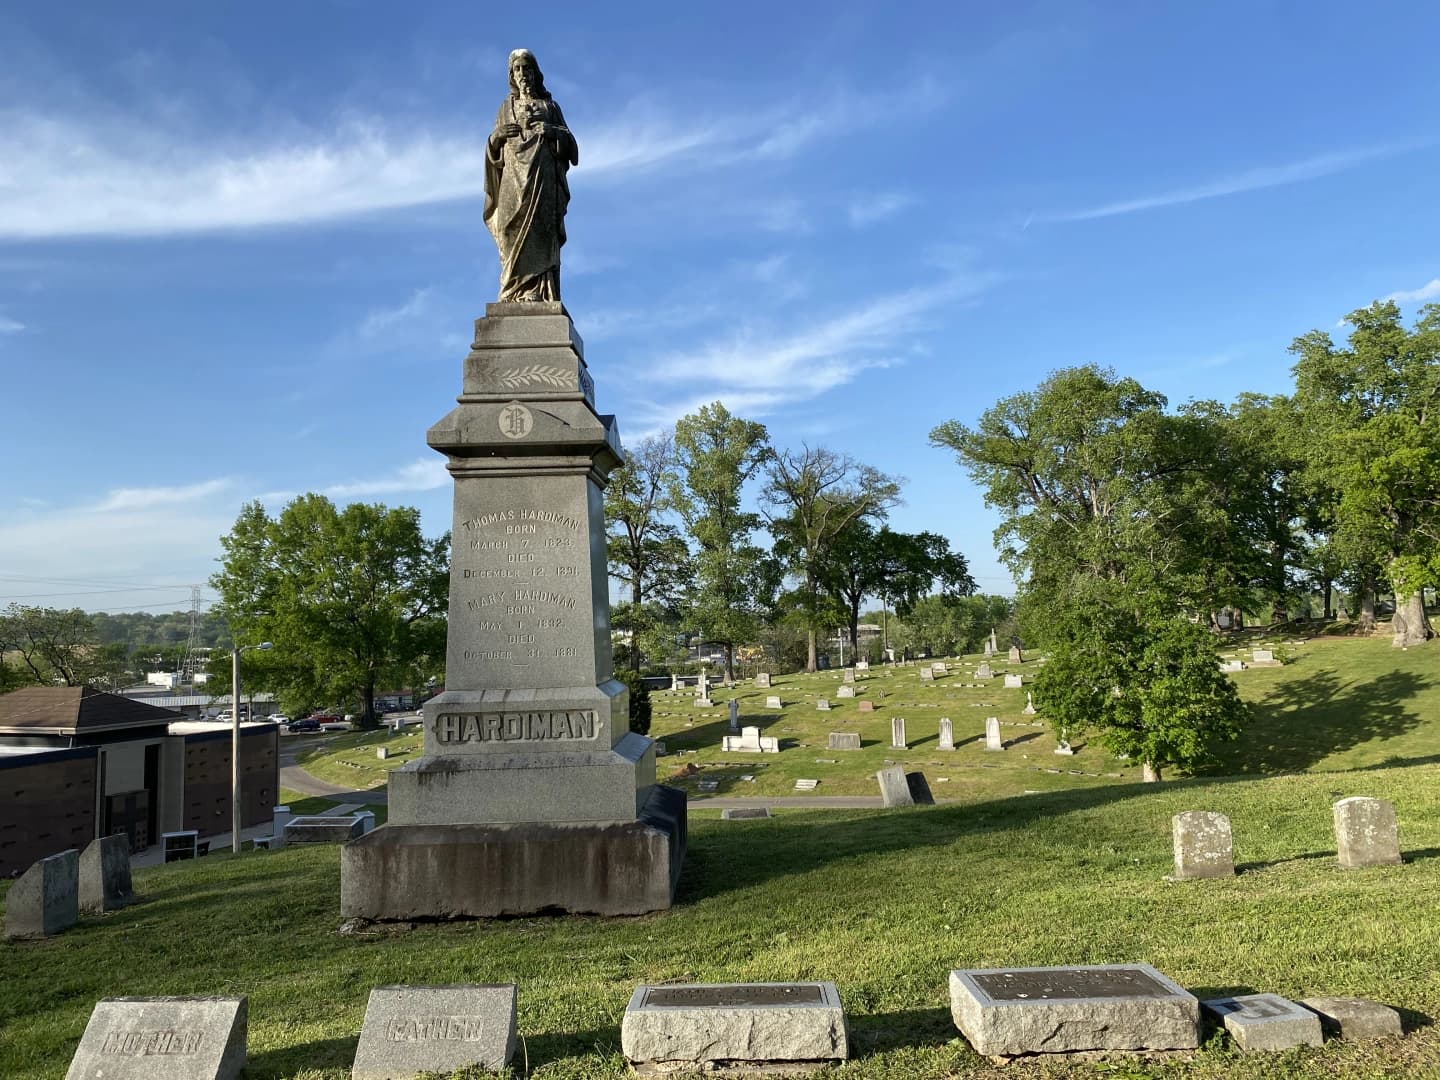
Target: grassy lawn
(882,903)
(1339,703)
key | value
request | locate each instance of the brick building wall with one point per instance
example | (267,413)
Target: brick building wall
(47,805)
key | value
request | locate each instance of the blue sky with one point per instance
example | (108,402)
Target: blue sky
(241,246)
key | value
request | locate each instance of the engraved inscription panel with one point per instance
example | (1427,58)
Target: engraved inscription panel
(1069,983)
(458,729)
(150,1043)
(412,1029)
(732,996)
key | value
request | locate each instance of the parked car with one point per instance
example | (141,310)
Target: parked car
(307,723)
(278,718)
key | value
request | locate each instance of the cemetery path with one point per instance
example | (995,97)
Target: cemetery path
(295,778)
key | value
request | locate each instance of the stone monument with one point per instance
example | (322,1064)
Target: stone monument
(532,793)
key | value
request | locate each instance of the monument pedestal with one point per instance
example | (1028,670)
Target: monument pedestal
(532,793)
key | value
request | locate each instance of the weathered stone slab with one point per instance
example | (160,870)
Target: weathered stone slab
(862,665)
(845,691)
(822,704)
(947,734)
(1013,682)
(894,788)
(750,741)
(744,813)
(843,740)
(865,706)
(410,1030)
(762,681)
(897,733)
(993,741)
(1266,1022)
(174,1038)
(321,830)
(984,671)
(1232,666)
(46,898)
(927,674)
(1015,655)
(1010,1011)
(940,668)
(919,789)
(1365,833)
(740,1024)
(1355,1018)
(850,675)
(105,874)
(1203,845)
(773,702)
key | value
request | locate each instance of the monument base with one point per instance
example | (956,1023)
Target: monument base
(483,871)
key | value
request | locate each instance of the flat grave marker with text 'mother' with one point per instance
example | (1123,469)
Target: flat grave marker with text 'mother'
(177,1038)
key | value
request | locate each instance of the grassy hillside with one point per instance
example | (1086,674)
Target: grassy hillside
(883,903)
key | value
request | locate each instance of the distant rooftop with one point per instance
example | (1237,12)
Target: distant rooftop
(75,710)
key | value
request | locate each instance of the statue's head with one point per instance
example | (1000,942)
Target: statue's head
(525,77)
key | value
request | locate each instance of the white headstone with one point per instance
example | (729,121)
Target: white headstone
(947,734)
(1012,682)
(845,691)
(992,734)
(823,704)
(773,702)
(1029,709)
(897,732)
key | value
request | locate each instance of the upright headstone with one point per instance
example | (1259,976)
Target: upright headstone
(845,691)
(1013,682)
(1063,748)
(46,898)
(409,1030)
(1203,845)
(674,682)
(850,675)
(105,874)
(927,674)
(1029,709)
(702,685)
(865,706)
(843,740)
(897,733)
(762,681)
(147,1038)
(529,763)
(894,788)
(1365,833)
(734,707)
(862,665)
(984,672)
(919,789)
(1016,657)
(947,734)
(994,646)
(823,704)
(773,702)
(992,734)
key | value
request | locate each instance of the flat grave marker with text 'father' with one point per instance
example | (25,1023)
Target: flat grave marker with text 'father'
(1010,1011)
(409,1030)
(175,1038)
(755,1024)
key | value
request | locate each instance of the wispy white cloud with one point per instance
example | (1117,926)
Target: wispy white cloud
(10,326)
(381,320)
(877,206)
(1268,176)
(144,498)
(1429,291)
(423,474)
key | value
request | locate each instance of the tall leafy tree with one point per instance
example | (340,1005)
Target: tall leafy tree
(56,645)
(733,578)
(352,599)
(1099,489)
(647,554)
(814,495)
(1372,414)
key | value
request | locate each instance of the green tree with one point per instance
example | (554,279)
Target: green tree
(54,645)
(352,599)
(1371,411)
(733,579)
(814,495)
(646,553)
(1100,491)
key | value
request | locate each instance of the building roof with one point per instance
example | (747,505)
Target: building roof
(75,710)
(187,701)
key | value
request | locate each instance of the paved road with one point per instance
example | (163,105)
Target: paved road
(295,778)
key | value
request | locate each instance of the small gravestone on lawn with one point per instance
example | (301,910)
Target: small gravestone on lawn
(862,665)
(46,898)
(992,734)
(897,732)
(322,830)
(704,701)
(1365,833)
(843,740)
(734,1026)
(927,674)
(947,734)
(772,702)
(845,691)
(751,741)
(1232,666)
(382,752)
(940,668)
(175,1038)
(894,788)
(1062,746)
(734,707)
(1012,1011)
(1264,658)
(744,813)
(1354,1019)
(919,789)
(823,704)
(850,676)
(1029,709)
(1203,845)
(105,875)
(865,706)
(984,672)
(1013,682)
(409,1030)
(762,681)
(1265,1022)
(806,785)
(1015,655)
(674,683)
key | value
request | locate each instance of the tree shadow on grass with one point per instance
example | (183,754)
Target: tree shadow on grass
(1304,721)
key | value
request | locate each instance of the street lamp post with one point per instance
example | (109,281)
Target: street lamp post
(235,742)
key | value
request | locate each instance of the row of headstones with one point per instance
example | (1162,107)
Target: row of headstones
(1365,835)
(984,671)
(410,1030)
(850,740)
(47,899)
